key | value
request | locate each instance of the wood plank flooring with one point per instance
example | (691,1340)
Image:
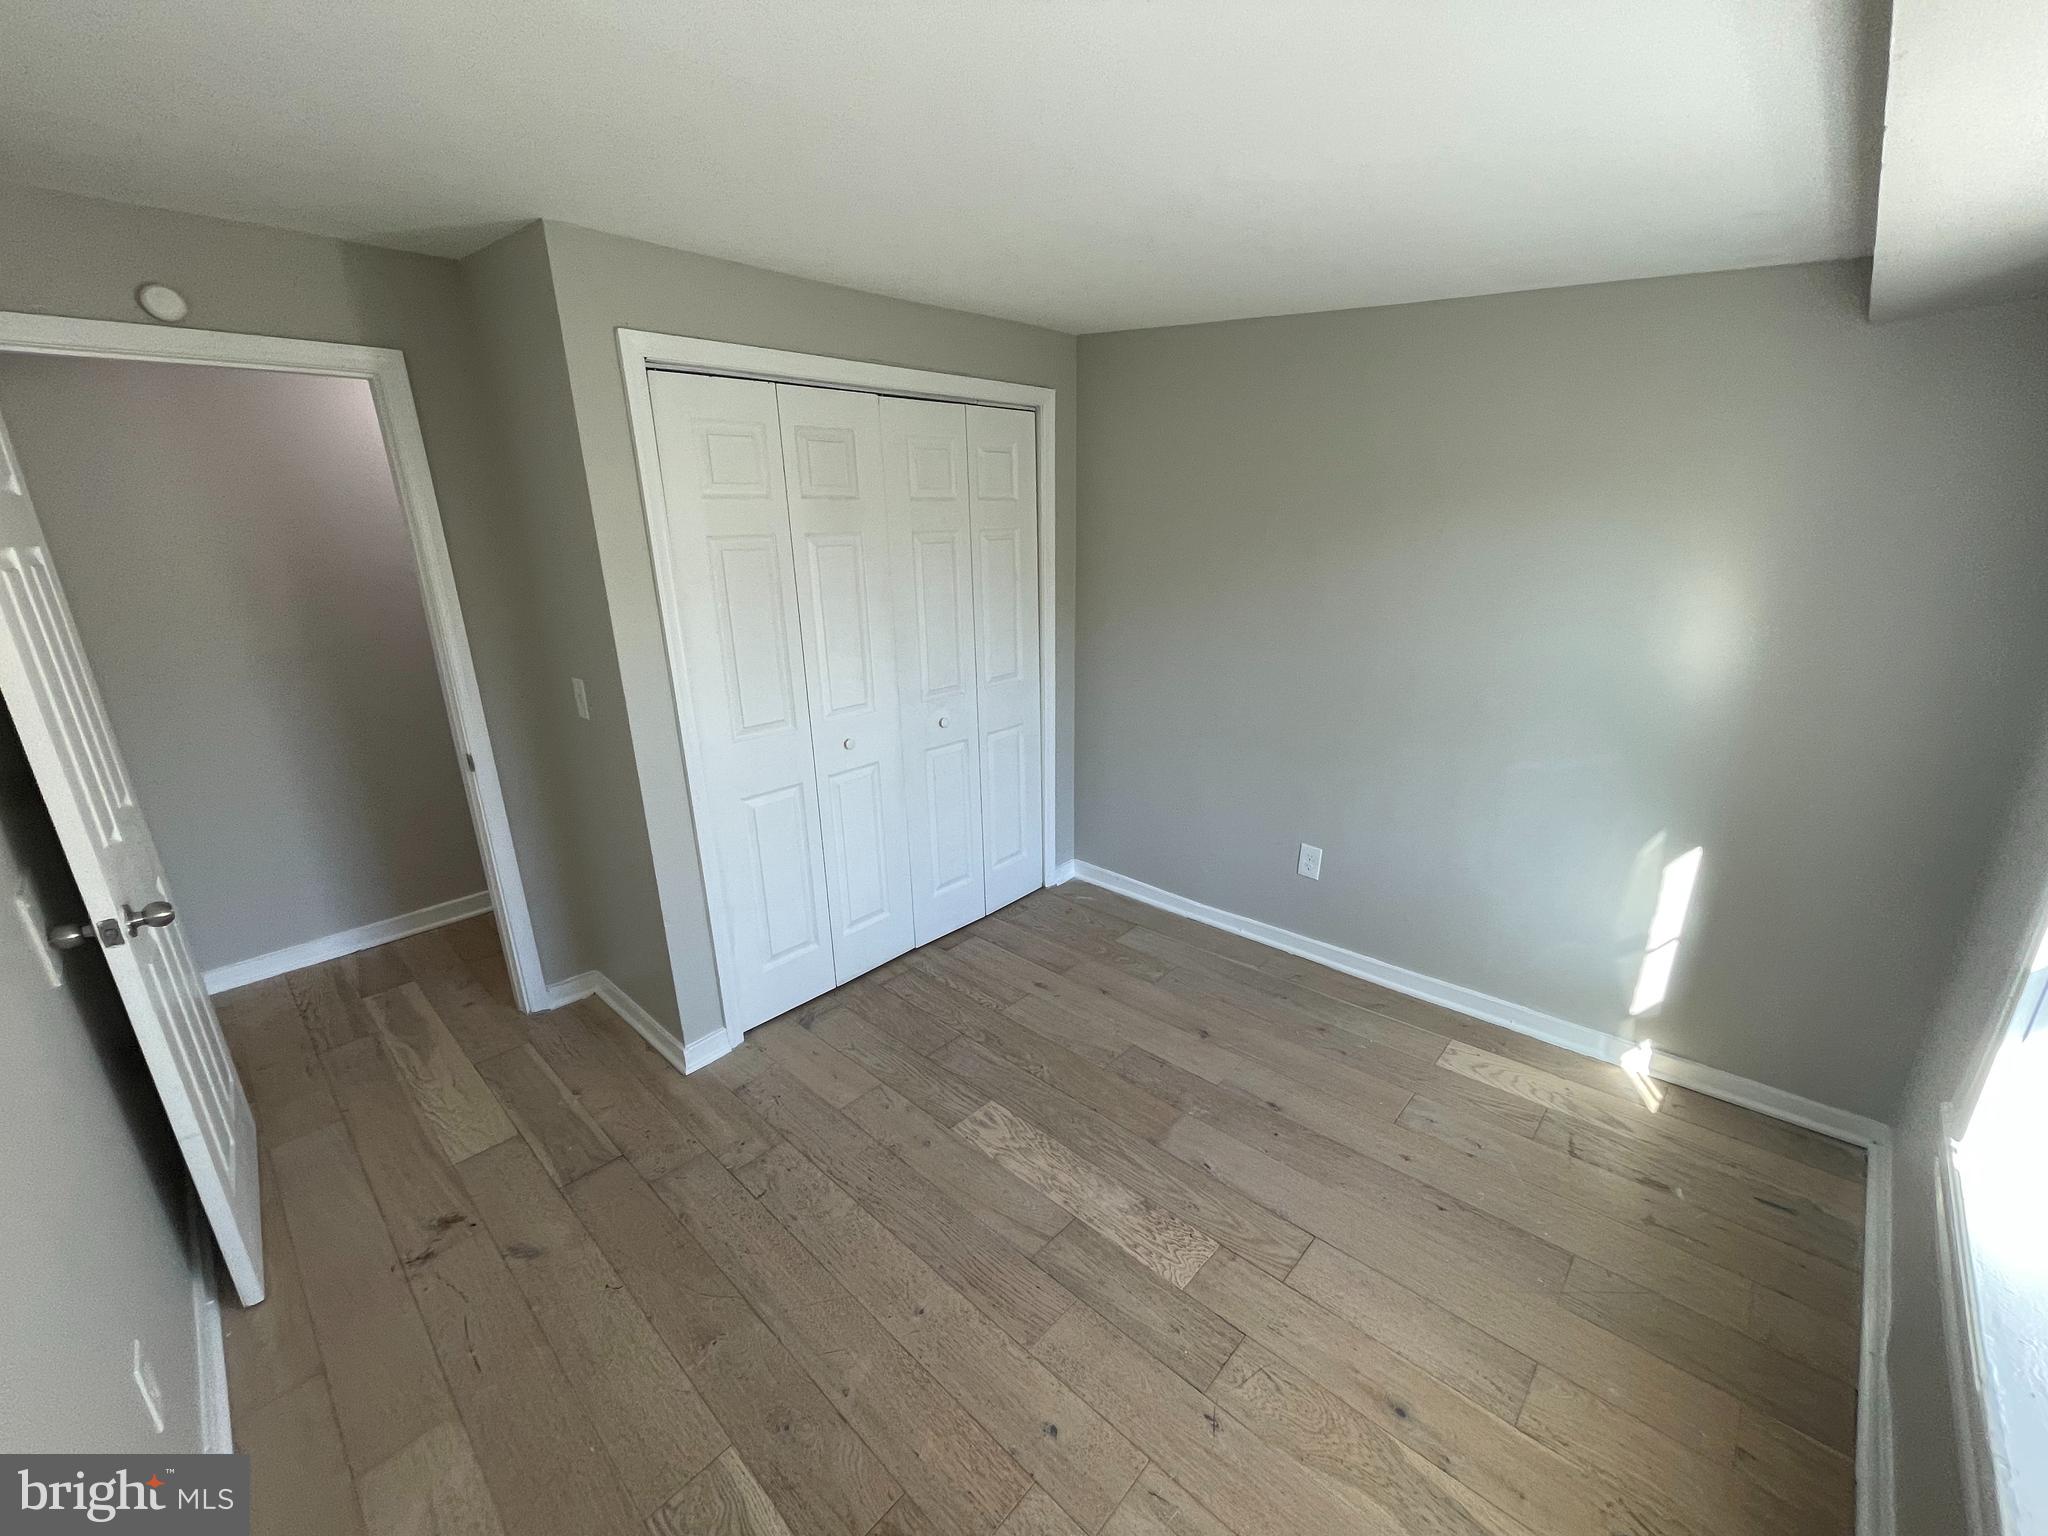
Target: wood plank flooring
(1086,1219)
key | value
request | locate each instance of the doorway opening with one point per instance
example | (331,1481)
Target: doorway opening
(266,581)
(255,560)
(238,565)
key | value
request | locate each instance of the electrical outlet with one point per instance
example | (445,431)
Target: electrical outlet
(1310,864)
(582,697)
(146,1384)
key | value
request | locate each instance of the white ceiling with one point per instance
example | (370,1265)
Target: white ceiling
(1085,164)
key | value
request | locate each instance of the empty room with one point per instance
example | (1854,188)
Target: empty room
(1084,768)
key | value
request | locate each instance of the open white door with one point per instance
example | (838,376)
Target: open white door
(56,707)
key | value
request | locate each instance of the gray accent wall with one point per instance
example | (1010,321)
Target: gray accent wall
(584,843)
(235,553)
(1504,602)
(601,614)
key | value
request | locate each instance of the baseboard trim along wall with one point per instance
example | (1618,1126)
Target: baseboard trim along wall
(1875,1514)
(1859,1130)
(279,962)
(684,1055)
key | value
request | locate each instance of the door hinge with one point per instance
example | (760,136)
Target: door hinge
(470,758)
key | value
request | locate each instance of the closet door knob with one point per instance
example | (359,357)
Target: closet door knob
(848,743)
(942,722)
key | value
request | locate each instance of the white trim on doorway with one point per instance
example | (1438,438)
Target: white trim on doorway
(640,351)
(281,962)
(390,386)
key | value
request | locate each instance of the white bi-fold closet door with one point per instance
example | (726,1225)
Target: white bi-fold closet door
(857,590)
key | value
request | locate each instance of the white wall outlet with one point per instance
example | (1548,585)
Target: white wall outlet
(582,696)
(1310,865)
(146,1384)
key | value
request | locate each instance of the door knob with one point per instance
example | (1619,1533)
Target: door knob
(848,743)
(943,722)
(72,935)
(156,914)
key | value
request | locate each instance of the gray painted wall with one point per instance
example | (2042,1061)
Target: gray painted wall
(92,1192)
(69,255)
(236,556)
(550,550)
(600,612)
(1502,601)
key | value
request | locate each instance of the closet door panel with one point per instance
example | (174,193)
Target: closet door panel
(839,527)
(931,550)
(751,764)
(1002,455)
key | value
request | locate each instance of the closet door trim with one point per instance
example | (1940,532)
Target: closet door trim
(671,834)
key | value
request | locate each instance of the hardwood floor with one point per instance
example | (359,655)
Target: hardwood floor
(1086,1218)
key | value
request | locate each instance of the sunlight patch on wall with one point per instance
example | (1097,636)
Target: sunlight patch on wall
(1667,927)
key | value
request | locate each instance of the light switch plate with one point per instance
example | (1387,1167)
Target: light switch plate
(582,697)
(1310,865)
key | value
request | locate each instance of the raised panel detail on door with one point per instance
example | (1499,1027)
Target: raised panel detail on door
(930,540)
(779,824)
(56,660)
(1001,589)
(935,561)
(827,462)
(858,813)
(749,585)
(949,788)
(752,773)
(839,520)
(1002,446)
(735,459)
(996,474)
(843,623)
(1005,784)
(931,464)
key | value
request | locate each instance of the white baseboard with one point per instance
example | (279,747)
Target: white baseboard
(279,962)
(216,1427)
(1874,1496)
(1060,874)
(685,1056)
(1859,1130)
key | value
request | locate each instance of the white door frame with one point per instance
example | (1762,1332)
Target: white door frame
(383,369)
(642,350)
